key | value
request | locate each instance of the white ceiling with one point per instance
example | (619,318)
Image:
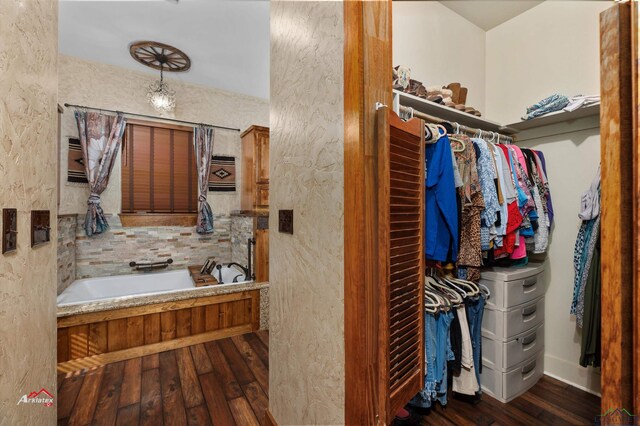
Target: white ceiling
(487,14)
(227,40)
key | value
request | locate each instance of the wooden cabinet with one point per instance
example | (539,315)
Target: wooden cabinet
(255,193)
(261,264)
(255,168)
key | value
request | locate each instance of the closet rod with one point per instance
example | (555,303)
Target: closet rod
(437,120)
(133,114)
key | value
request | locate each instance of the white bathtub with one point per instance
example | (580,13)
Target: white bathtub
(135,285)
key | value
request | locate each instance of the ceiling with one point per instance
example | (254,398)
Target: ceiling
(487,14)
(227,41)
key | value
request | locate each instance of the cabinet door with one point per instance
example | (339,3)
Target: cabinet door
(401,264)
(262,255)
(262,160)
(262,195)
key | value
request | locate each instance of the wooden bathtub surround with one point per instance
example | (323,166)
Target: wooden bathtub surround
(112,335)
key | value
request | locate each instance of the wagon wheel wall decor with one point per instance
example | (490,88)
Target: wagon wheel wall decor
(160,56)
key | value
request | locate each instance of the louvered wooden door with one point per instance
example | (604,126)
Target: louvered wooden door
(400,254)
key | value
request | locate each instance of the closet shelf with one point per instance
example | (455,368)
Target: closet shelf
(555,118)
(450,114)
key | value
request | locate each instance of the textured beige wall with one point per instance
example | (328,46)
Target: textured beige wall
(306,349)
(104,86)
(28,126)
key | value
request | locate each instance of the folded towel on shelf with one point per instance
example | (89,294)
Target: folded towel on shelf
(581,101)
(553,103)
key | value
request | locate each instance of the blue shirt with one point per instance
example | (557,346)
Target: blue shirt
(441,212)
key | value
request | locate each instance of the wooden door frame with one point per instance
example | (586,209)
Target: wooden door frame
(635,81)
(367,80)
(618,209)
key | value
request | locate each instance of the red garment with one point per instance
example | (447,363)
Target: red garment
(514,218)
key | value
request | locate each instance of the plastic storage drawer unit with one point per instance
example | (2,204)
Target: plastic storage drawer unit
(511,287)
(505,386)
(504,325)
(502,356)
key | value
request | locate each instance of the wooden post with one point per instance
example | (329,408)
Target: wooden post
(617,237)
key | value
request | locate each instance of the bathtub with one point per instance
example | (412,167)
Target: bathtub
(115,318)
(136,285)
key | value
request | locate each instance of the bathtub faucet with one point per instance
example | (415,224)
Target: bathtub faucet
(245,271)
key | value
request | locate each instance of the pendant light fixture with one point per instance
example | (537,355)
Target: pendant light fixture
(160,96)
(161,57)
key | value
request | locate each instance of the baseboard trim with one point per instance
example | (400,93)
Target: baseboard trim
(586,379)
(268,419)
(575,385)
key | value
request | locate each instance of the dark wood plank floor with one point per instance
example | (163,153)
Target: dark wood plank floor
(226,382)
(222,382)
(549,402)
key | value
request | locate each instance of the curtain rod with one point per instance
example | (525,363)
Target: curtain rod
(438,120)
(133,114)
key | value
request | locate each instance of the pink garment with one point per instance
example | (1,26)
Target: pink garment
(520,251)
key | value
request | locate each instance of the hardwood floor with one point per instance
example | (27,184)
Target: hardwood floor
(226,382)
(549,402)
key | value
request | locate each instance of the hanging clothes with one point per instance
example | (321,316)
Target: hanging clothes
(586,241)
(470,253)
(465,382)
(441,212)
(590,343)
(548,192)
(487,174)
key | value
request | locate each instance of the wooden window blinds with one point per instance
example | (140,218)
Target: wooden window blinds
(158,169)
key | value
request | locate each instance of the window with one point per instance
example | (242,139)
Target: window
(158,169)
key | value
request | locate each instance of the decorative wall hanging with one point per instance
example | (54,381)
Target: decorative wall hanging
(222,177)
(75,163)
(161,57)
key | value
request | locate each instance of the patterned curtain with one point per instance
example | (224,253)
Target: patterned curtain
(100,137)
(203,145)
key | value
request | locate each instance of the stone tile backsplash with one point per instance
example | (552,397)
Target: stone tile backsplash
(66,251)
(110,253)
(241,231)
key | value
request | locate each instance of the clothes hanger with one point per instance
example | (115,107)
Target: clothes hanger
(448,291)
(462,145)
(434,133)
(439,291)
(474,290)
(485,290)
(462,292)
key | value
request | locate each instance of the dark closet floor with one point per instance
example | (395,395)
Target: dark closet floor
(549,402)
(227,381)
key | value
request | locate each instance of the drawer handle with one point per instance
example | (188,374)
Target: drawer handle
(528,368)
(527,312)
(527,340)
(530,282)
